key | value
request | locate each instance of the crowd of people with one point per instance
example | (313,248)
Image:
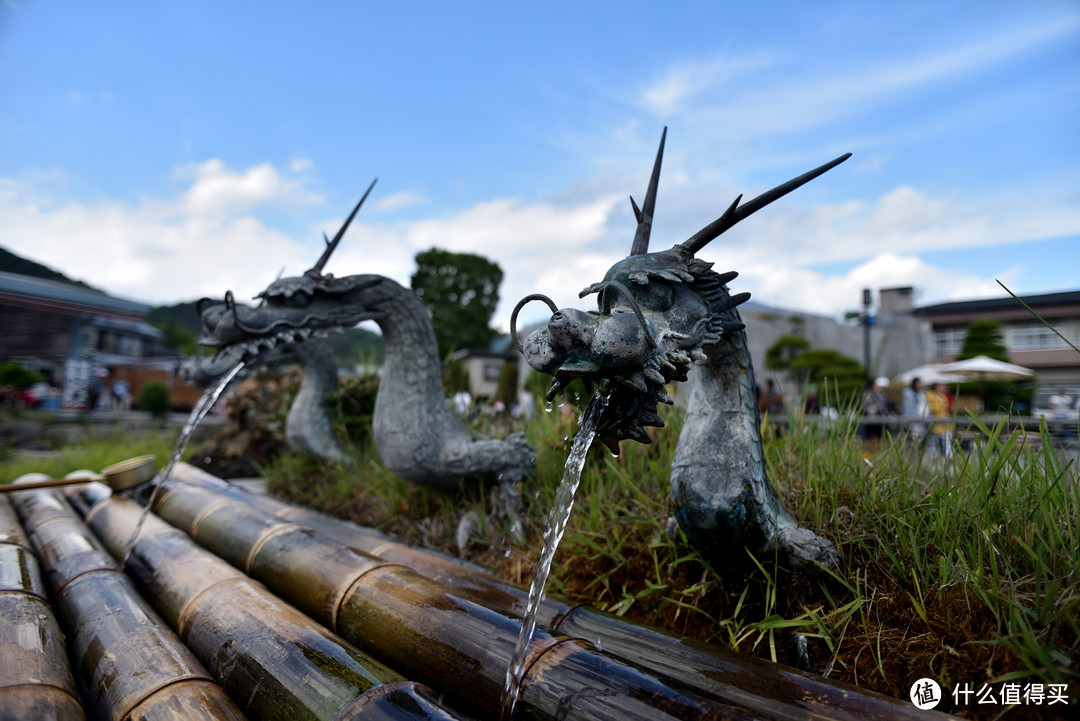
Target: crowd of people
(935,403)
(928,412)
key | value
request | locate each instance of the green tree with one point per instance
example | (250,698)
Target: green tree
(461,291)
(840,377)
(787,347)
(506,390)
(456,377)
(984,337)
(178,338)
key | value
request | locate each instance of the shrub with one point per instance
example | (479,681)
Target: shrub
(154,398)
(18,377)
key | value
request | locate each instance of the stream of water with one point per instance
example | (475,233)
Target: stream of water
(202,407)
(556,526)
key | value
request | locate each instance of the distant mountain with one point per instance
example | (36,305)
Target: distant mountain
(11,263)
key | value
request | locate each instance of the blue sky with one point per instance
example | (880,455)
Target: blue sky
(167,151)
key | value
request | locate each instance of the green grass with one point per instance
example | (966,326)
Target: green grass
(966,570)
(91,455)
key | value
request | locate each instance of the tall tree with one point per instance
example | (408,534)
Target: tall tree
(461,290)
(779,355)
(840,377)
(984,337)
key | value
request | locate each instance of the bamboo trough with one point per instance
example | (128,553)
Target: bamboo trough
(288,610)
(132,666)
(765,689)
(35,676)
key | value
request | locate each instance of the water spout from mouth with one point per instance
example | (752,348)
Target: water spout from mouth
(202,407)
(556,526)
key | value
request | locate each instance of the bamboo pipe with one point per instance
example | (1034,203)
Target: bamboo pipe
(120,476)
(35,677)
(132,665)
(773,690)
(274,660)
(417,625)
(469,580)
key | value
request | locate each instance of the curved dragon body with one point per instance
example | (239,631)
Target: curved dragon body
(416,434)
(665,317)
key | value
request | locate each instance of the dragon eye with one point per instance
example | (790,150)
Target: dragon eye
(298,300)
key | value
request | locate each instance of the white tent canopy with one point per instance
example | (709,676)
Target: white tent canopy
(984,368)
(929,373)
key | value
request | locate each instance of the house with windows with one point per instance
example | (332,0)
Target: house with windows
(1031,343)
(82,340)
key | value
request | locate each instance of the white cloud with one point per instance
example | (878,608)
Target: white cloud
(682,81)
(218,189)
(830,294)
(398,201)
(776,95)
(160,251)
(210,238)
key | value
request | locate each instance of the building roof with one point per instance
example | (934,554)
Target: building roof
(72,297)
(1071,297)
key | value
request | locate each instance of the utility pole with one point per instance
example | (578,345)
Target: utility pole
(867,321)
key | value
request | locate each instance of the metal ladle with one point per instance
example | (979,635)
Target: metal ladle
(119,476)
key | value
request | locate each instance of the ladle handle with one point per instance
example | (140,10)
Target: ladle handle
(13,487)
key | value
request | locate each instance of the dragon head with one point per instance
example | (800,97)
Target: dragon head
(656,314)
(290,310)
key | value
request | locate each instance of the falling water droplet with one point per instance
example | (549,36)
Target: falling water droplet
(548,407)
(556,525)
(202,407)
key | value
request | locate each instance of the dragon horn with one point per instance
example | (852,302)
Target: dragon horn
(332,244)
(737,212)
(645,215)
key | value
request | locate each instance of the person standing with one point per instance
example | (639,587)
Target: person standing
(120,391)
(937,401)
(1060,407)
(873,405)
(913,406)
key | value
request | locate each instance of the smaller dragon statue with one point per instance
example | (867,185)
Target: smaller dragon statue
(665,317)
(416,434)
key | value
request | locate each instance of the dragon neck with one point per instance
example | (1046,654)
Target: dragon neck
(411,363)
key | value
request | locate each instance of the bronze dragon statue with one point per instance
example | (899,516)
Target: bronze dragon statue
(416,434)
(664,317)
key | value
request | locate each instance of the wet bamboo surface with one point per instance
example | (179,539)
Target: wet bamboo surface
(767,690)
(35,677)
(132,666)
(275,661)
(419,626)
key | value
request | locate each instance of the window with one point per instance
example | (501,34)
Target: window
(949,341)
(492,371)
(1033,336)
